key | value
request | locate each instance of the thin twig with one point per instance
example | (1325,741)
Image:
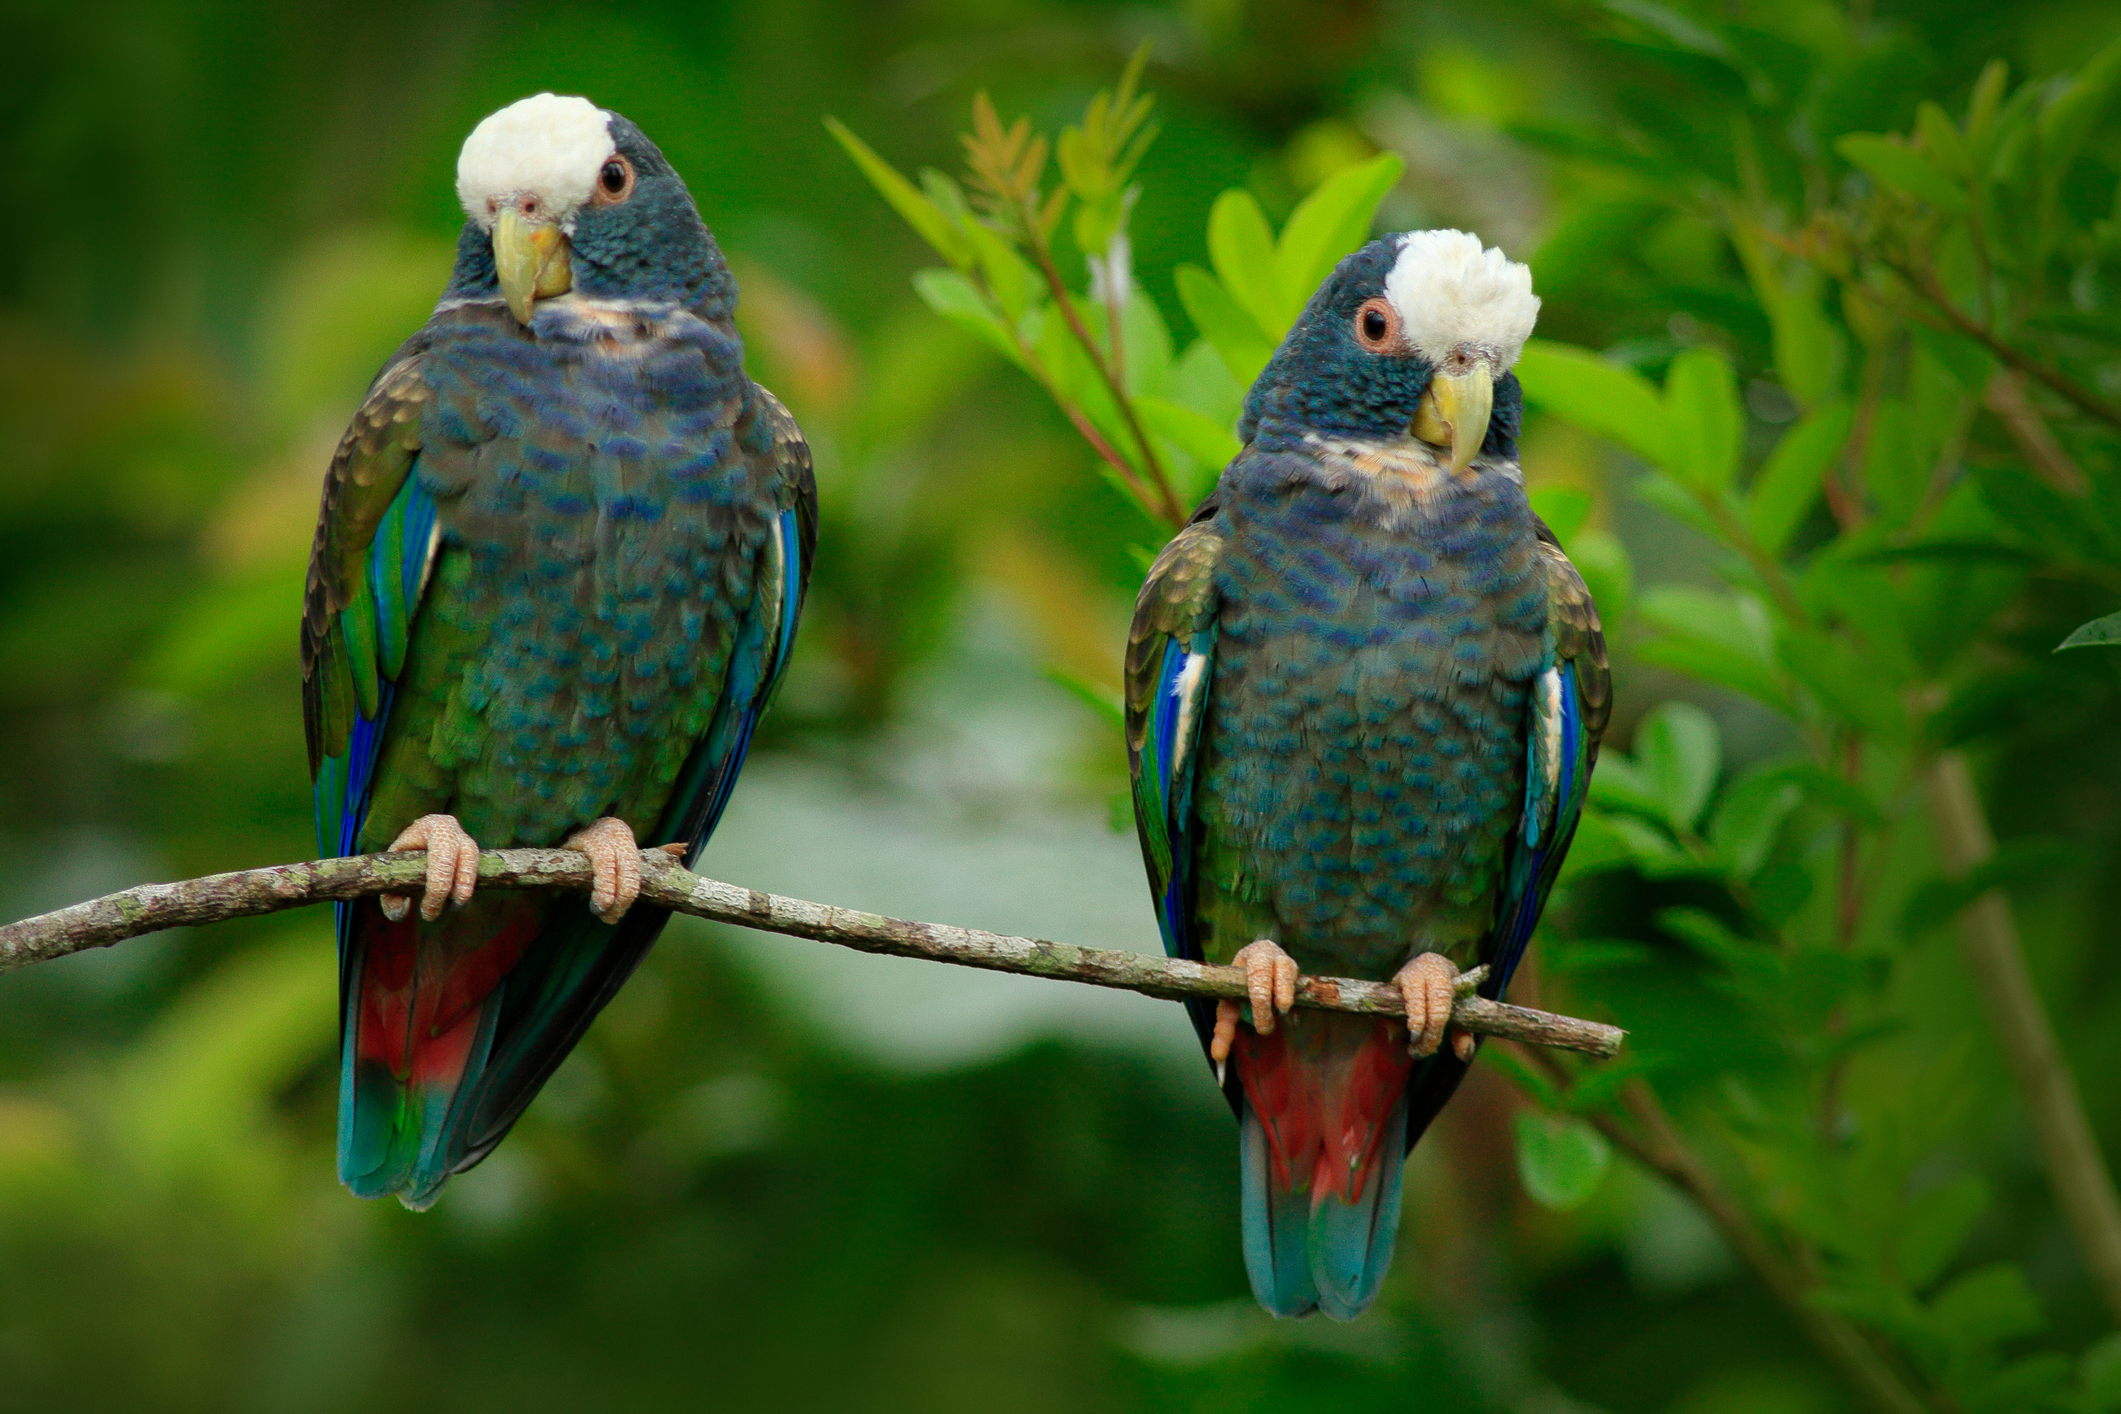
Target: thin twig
(1655,1142)
(2070,389)
(1170,508)
(2005,396)
(1988,935)
(665,884)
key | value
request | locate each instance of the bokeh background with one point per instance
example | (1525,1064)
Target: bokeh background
(779,1175)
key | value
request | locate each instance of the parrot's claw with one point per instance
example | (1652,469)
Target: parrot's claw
(615,856)
(1270,976)
(452,866)
(1430,985)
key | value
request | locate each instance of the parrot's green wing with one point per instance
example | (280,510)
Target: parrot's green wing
(1170,670)
(368,568)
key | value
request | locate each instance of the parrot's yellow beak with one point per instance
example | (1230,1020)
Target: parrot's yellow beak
(532,259)
(1454,412)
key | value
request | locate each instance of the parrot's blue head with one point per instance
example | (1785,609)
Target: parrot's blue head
(1410,338)
(565,197)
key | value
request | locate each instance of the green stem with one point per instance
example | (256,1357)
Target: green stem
(1655,1142)
(1772,575)
(2058,382)
(1164,502)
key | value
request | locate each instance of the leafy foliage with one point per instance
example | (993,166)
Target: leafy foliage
(1870,562)
(792,1181)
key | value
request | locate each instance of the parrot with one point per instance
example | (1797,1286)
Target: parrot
(1364,693)
(560,558)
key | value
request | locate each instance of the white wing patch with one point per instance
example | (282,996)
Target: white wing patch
(1186,688)
(776,577)
(1546,742)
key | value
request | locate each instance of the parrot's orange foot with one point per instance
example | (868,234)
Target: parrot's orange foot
(615,856)
(1270,976)
(452,866)
(1430,985)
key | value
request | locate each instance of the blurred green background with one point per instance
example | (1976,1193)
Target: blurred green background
(780,1175)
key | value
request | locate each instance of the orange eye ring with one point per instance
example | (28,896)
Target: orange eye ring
(614,182)
(1377,325)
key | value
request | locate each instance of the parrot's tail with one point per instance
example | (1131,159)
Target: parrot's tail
(1323,1146)
(449,1028)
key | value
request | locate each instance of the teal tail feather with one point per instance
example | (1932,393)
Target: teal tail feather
(1322,1154)
(1311,1251)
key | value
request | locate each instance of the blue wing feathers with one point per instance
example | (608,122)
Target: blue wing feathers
(1548,827)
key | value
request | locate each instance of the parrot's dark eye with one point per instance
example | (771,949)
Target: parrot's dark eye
(1377,325)
(614,181)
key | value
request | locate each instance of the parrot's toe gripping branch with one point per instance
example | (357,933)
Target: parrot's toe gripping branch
(1270,977)
(452,866)
(1430,985)
(616,857)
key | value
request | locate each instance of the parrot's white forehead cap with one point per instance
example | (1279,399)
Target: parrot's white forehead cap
(545,145)
(1452,295)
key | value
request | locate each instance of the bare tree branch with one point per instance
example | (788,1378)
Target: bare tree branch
(1988,937)
(665,884)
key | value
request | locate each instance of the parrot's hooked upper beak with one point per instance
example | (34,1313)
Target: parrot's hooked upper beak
(1453,413)
(532,259)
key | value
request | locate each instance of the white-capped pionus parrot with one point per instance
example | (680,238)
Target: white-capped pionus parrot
(1365,690)
(557,573)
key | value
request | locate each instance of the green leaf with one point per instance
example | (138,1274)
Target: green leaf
(1228,326)
(1988,1305)
(1330,222)
(1707,421)
(1564,509)
(1832,792)
(1678,749)
(1241,245)
(1533,1082)
(1942,142)
(2099,1371)
(1608,572)
(955,298)
(1008,276)
(2096,634)
(1200,437)
(1664,492)
(1620,784)
(1846,682)
(1750,815)
(2068,118)
(1559,1160)
(1598,846)
(1935,1224)
(1718,637)
(1651,850)
(1146,341)
(1202,381)
(1783,493)
(1903,169)
(1579,386)
(923,215)
(2035,1382)
(1988,92)
(1892,470)
(1878,1305)
(2015,862)
(2041,514)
